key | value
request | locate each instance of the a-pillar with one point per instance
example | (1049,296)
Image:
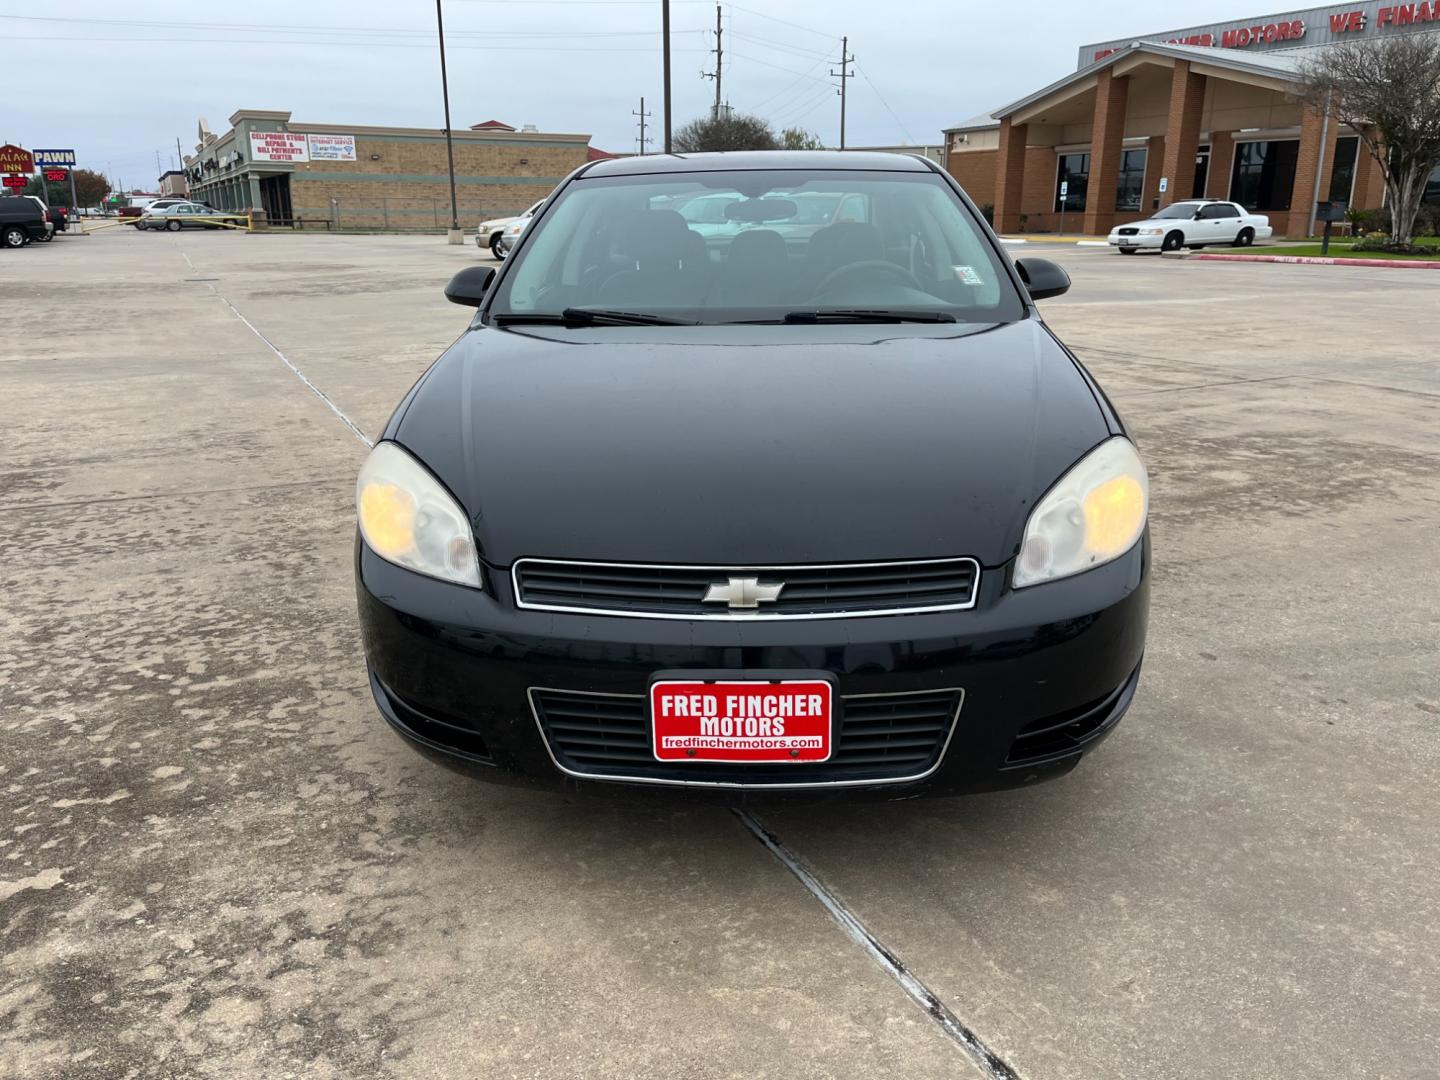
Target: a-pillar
(1307,163)
(1010,176)
(1182,132)
(1106,141)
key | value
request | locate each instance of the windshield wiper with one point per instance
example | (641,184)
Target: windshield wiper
(867,315)
(585,317)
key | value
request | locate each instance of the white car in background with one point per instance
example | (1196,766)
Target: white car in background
(1193,224)
(488,233)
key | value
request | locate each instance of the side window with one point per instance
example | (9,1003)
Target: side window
(184,210)
(853,208)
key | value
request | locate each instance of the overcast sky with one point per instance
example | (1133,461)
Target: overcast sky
(117,87)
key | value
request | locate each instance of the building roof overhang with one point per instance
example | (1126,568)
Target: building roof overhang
(1272,71)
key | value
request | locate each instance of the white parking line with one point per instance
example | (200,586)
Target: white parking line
(986,1059)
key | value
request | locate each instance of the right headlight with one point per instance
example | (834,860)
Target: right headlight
(409,519)
(1093,515)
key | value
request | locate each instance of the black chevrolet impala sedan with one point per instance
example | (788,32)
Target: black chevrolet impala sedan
(755,473)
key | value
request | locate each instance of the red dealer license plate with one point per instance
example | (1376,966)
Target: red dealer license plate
(695,720)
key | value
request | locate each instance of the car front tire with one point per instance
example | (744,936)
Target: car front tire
(1173,242)
(495,248)
(173,226)
(1246,238)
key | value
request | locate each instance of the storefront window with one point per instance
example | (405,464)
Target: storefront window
(1131,184)
(1074,172)
(1432,187)
(1264,174)
(1342,177)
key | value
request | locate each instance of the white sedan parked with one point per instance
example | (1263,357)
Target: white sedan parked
(1193,223)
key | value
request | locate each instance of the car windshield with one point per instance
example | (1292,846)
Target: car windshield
(758,246)
(1180,210)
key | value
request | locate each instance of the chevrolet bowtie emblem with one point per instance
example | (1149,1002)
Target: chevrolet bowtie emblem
(743,593)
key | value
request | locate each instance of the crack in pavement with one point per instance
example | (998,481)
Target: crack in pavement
(988,1061)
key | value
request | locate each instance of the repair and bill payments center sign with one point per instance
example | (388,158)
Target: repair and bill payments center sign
(290,146)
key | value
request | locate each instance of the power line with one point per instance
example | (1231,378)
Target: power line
(909,137)
(289,28)
(343,44)
(777,67)
(784,22)
(765,43)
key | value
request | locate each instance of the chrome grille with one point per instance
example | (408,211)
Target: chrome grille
(809,592)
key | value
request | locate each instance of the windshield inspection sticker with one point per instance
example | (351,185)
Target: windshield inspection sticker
(968,275)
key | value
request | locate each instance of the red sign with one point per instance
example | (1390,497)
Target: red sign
(56,174)
(16,181)
(742,721)
(15,160)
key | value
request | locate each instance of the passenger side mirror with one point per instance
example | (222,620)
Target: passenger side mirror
(1199,214)
(470,285)
(1043,278)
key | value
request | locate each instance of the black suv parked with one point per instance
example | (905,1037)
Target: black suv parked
(21,220)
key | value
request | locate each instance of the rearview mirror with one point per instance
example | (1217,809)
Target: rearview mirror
(470,285)
(1043,278)
(760,210)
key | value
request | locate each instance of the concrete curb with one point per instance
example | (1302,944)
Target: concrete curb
(1318,260)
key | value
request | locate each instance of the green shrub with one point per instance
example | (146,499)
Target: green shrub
(1372,241)
(1368,221)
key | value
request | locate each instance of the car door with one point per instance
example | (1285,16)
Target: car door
(1222,222)
(185,215)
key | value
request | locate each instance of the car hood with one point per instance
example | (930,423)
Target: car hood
(751,445)
(1152,222)
(495,223)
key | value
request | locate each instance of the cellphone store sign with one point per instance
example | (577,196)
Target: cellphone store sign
(278,146)
(289,146)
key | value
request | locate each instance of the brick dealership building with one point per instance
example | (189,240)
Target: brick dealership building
(1204,111)
(348,176)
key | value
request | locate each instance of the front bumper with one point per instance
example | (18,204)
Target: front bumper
(1043,674)
(1136,241)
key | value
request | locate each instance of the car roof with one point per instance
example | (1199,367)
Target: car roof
(834,160)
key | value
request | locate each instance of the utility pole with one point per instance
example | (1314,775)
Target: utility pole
(665,47)
(455,236)
(179,154)
(642,114)
(844,75)
(719,52)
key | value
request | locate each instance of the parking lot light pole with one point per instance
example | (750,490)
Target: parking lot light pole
(665,49)
(455,235)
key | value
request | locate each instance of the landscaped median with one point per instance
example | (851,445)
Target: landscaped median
(1399,262)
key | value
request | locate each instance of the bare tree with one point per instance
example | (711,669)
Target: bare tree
(1388,90)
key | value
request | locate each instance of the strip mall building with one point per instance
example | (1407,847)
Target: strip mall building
(1203,111)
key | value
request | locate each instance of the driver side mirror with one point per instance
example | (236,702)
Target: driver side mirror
(1043,278)
(470,285)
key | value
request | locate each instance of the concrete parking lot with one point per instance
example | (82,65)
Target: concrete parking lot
(216,861)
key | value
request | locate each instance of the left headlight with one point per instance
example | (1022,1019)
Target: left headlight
(1092,516)
(409,519)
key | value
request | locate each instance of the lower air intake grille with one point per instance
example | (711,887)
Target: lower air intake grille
(878,738)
